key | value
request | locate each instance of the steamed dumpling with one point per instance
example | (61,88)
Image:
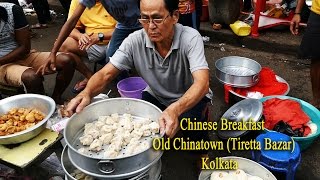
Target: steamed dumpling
(146,130)
(106,138)
(93,132)
(154,127)
(96,145)
(110,153)
(238,174)
(218,175)
(106,129)
(86,140)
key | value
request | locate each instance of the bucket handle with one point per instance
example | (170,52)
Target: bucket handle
(255,78)
(106,166)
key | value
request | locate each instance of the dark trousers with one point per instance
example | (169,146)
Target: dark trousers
(198,112)
(186,20)
(117,37)
(42,9)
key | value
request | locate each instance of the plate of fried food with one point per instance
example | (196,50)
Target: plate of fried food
(23,117)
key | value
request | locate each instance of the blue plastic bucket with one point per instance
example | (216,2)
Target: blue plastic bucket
(131,87)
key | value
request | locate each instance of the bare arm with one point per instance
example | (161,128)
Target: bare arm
(96,85)
(67,28)
(65,31)
(199,88)
(294,24)
(22,37)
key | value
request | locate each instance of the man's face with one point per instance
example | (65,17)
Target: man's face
(156,20)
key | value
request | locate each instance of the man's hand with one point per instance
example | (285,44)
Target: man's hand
(294,24)
(169,122)
(77,104)
(50,64)
(86,41)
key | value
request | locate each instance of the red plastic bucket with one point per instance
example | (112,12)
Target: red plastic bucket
(131,87)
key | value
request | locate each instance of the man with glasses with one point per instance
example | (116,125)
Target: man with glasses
(170,58)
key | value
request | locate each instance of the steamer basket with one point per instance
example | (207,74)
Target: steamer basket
(117,168)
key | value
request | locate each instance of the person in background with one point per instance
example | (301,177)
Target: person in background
(125,12)
(170,58)
(43,14)
(22,67)
(89,38)
(309,47)
(187,8)
(198,13)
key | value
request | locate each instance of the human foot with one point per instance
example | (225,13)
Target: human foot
(80,86)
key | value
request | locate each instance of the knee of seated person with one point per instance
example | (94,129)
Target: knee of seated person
(65,61)
(30,77)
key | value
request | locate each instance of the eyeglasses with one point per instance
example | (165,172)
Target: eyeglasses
(154,21)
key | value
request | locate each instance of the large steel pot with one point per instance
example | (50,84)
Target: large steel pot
(96,164)
(250,167)
(153,173)
(237,71)
(43,103)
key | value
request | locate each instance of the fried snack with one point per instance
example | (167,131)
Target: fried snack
(19,119)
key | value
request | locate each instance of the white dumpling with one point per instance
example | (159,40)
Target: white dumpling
(106,129)
(86,140)
(126,124)
(93,132)
(230,177)
(88,126)
(238,174)
(146,121)
(110,153)
(146,130)
(115,115)
(132,146)
(126,115)
(96,145)
(126,138)
(106,138)
(103,119)
(137,133)
(120,131)
(254,178)
(218,175)
(154,127)
(116,144)
(99,124)
(137,124)
(112,120)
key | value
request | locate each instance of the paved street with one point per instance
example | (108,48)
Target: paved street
(275,49)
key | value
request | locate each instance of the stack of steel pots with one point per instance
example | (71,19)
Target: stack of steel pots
(144,165)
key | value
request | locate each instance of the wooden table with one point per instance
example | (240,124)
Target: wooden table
(21,156)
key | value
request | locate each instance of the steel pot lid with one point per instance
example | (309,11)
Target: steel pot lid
(245,110)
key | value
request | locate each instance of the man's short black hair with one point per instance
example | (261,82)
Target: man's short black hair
(171,5)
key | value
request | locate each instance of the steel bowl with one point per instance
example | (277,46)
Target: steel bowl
(237,71)
(250,167)
(43,103)
(95,163)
